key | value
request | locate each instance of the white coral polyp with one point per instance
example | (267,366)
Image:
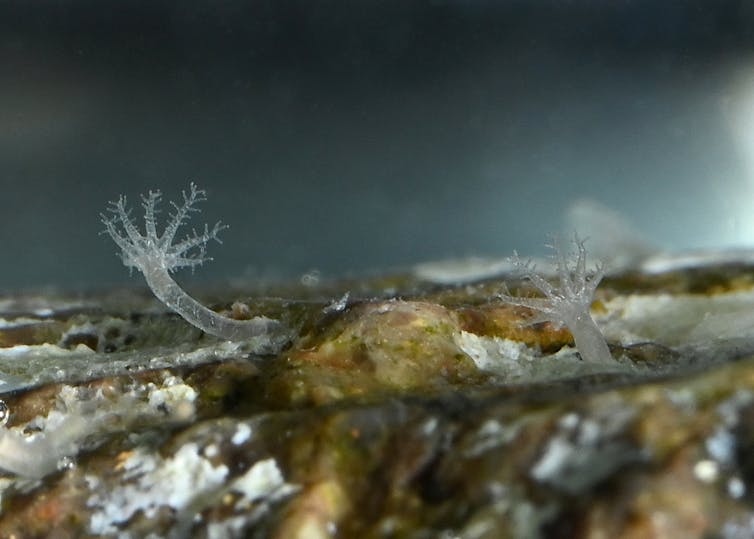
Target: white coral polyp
(156,256)
(568,304)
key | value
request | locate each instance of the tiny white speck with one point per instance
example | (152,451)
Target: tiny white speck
(721,445)
(706,471)
(736,487)
(429,426)
(559,452)
(337,305)
(243,433)
(569,421)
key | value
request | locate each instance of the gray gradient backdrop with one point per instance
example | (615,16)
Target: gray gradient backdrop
(351,136)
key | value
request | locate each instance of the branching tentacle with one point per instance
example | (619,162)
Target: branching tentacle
(150,203)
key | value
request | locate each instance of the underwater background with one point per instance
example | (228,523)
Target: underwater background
(359,137)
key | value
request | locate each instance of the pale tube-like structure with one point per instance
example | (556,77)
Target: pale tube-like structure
(266,336)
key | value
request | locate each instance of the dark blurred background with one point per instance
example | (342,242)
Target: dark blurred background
(350,136)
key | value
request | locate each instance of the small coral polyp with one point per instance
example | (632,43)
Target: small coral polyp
(569,304)
(157,255)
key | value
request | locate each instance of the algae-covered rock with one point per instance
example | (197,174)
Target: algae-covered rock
(401,408)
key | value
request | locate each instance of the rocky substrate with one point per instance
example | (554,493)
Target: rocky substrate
(402,408)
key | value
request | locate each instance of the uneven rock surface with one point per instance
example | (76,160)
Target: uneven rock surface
(403,408)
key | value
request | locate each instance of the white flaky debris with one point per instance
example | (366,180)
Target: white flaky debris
(262,485)
(242,434)
(503,357)
(513,361)
(586,449)
(24,351)
(24,366)
(559,453)
(84,417)
(741,527)
(174,397)
(678,319)
(20,321)
(155,482)
(490,435)
(188,482)
(230,528)
(263,481)
(337,305)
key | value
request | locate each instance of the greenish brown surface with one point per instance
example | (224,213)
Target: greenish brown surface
(411,410)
